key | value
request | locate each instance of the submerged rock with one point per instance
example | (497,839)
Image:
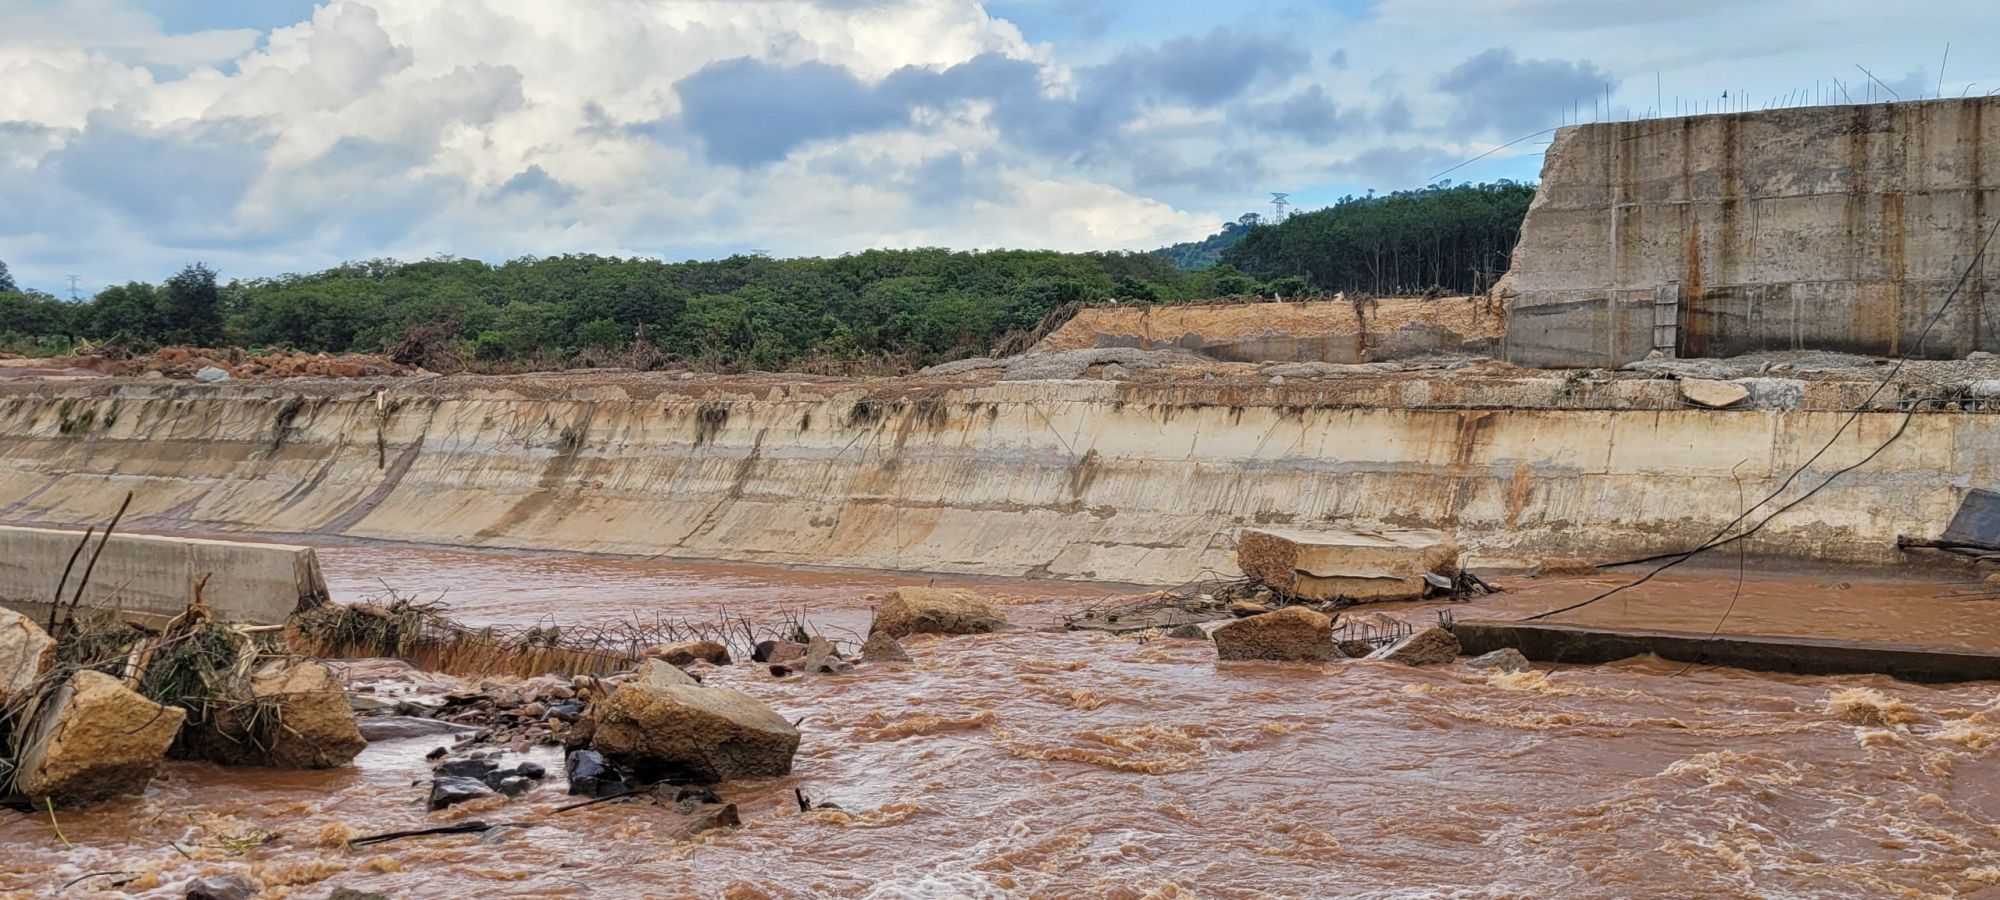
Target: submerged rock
(590,775)
(1505,659)
(220,887)
(1432,646)
(686,653)
(911,610)
(1188,632)
(719,818)
(684,734)
(1292,634)
(379,729)
(291,715)
(778,651)
(881,648)
(26,651)
(92,740)
(342,893)
(450,790)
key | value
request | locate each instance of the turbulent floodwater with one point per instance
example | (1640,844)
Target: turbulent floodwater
(1086,765)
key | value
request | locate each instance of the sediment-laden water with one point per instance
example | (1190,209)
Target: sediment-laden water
(1087,765)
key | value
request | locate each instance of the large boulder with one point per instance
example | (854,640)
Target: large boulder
(1431,646)
(912,610)
(91,740)
(1292,634)
(292,714)
(684,733)
(881,648)
(26,651)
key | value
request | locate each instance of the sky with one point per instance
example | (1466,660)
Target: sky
(271,136)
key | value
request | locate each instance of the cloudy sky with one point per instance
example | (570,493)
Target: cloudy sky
(267,136)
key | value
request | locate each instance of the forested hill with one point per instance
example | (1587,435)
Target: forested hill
(1206,252)
(876,311)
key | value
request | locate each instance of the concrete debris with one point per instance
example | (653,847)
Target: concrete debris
(881,648)
(1114,372)
(1432,646)
(726,817)
(452,790)
(1244,609)
(1355,649)
(1359,566)
(659,673)
(912,610)
(26,651)
(823,659)
(220,887)
(93,739)
(1067,364)
(1505,659)
(685,734)
(1713,394)
(1328,370)
(687,652)
(343,893)
(211,375)
(1188,632)
(778,652)
(291,715)
(1292,634)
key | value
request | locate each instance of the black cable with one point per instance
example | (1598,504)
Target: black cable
(1718,541)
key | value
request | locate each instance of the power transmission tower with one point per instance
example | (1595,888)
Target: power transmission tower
(1279,203)
(72,288)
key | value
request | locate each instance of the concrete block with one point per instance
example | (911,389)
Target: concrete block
(1357,565)
(151,577)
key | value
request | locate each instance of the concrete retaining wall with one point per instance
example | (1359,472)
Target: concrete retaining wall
(1119,482)
(1835,228)
(152,577)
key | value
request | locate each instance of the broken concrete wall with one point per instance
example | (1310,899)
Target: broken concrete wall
(153,577)
(1334,331)
(1836,228)
(1098,481)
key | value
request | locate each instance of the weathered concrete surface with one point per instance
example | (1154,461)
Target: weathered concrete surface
(1333,331)
(26,651)
(688,733)
(290,715)
(1095,481)
(1292,634)
(1573,645)
(1323,564)
(149,576)
(91,740)
(1836,228)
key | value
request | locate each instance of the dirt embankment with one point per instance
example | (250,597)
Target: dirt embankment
(186,362)
(1340,330)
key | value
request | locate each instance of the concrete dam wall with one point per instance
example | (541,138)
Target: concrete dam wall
(1115,482)
(1828,228)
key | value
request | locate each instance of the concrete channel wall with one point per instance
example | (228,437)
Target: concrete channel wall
(150,577)
(1828,228)
(1114,482)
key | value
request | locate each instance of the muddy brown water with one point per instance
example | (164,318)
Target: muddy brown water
(1089,765)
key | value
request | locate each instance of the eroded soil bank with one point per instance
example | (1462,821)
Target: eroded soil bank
(1068,765)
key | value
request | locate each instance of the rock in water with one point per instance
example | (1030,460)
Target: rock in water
(26,651)
(1432,646)
(1188,632)
(220,887)
(881,648)
(93,740)
(377,729)
(291,715)
(778,651)
(451,790)
(719,818)
(660,673)
(1292,634)
(342,893)
(686,653)
(693,734)
(591,776)
(1505,659)
(910,610)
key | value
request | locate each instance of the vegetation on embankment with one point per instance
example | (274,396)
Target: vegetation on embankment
(870,312)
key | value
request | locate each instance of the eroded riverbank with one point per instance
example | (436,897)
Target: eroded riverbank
(1068,765)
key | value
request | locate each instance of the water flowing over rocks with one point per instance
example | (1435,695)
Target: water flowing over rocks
(881,648)
(1505,659)
(290,715)
(682,733)
(1433,646)
(93,739)
(1292,634)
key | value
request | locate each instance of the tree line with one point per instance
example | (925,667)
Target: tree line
(874,311)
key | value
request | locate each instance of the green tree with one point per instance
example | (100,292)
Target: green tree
(194,306)
(7,285)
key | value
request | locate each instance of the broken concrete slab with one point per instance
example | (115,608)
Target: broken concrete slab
(154,576)
(661,673)
(1713,394)
(686,653)
(1332,564)
(1505,659)
(1292,634)
(1575,645)
(881,648)
(912,610)
(1431,646)
(292,714)
(93,739)
(26,651)
(688,734)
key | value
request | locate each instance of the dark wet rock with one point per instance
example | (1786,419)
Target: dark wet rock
(342,893)
(881,648)
(1432,646)
(514,786)
(377,729)
(1188,632)
(778,651)
(686,653)
(591,776)
(220,887)
(698,794)
(1505,659)
(467,768)
(1292,634)
(450,791)
(721,818)
(531,770)
(567,711)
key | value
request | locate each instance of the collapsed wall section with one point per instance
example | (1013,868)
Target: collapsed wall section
(1114,482)
(1832,228)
